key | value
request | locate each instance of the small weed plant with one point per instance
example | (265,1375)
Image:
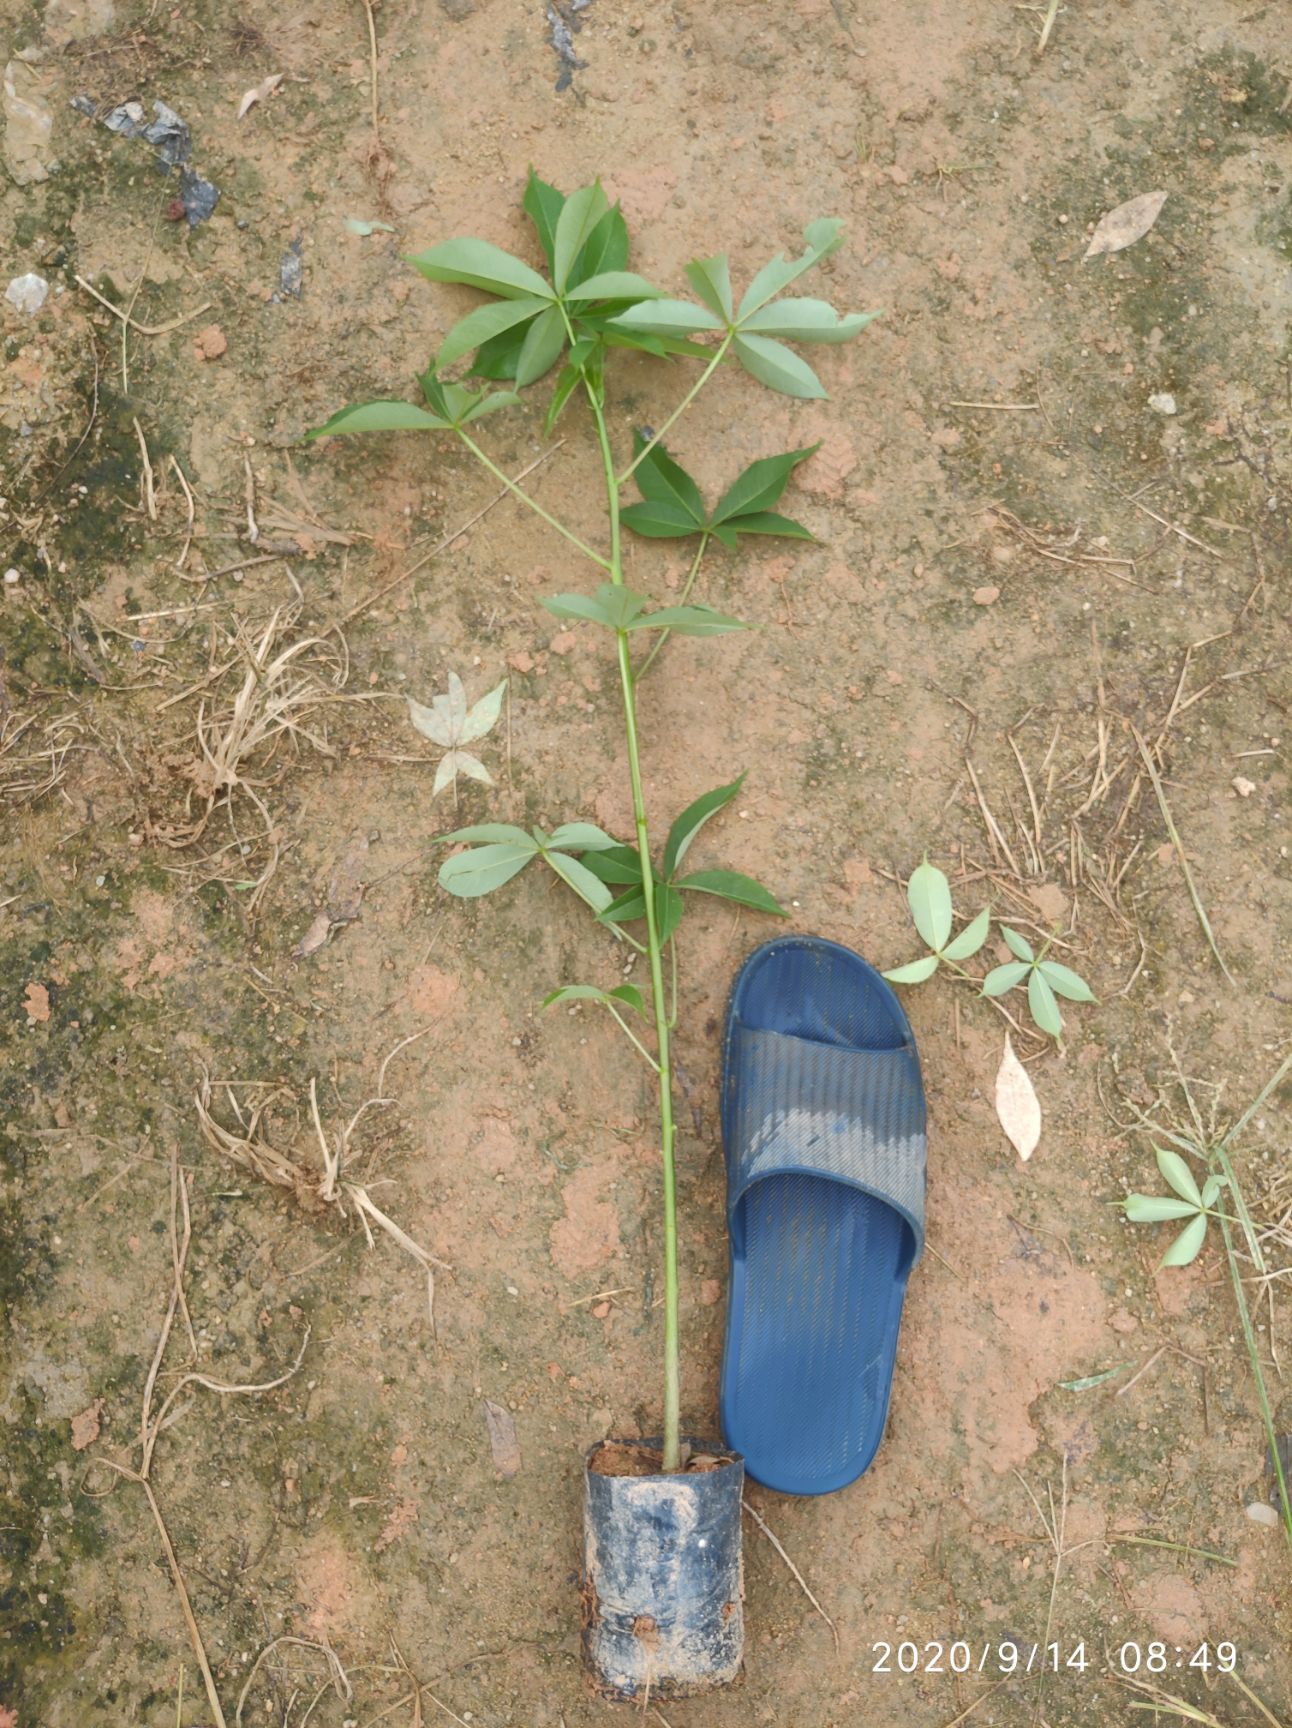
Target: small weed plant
(928,894)
(568,324)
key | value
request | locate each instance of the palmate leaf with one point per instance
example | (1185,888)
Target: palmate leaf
(606,248)
(576,875)
(762,522)
(760,485)
(928,893)
(915,971)
(971,938)
(663,480)
(1017,944)
(480,264)
(692,819)
(806,321)
(1156,1208)
(779,367)
(380,417)
(1188,1244)
(1003,978)
(541,349)
(621,866)
(823,237)
(486,322)
(481,869)
(666,318)
(660,519)
(732,885)
(1065,982)
(691,620)
(711,280)
(1178,1175)
(1042,1004)
(543,205)
(580,214)
(623,995)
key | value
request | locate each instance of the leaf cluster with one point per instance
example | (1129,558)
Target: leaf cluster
(1186,1200)
(672,507)
(928,894)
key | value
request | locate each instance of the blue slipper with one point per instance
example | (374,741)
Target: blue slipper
(823,1122)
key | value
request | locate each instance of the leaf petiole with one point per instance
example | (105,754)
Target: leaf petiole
(533,503)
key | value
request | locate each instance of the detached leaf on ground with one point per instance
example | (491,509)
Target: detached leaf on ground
(1126,224)
(450,723)
(259,93)
(500,1425)
(1017,1105)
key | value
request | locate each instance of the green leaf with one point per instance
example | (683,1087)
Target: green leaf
(711,280)
(1177,1175)
(626,906)
(1156,1208)
(607,247)
(497,357)
(1003,978)
(668,911)
(628,995)
(488,831)
(823,237)
(483,868)
(618,865)
(1066,982)
(614,606)
(806,321)
(489,404)
(1188,1244)
(379,417)
(543,205)
(480,264)
(1211,1190)
(1017,944)
(579,216)
(1089,1381)
(666,318)
(689,621)
(587,886)
(657,519)
(761,484)
(915,971)
(485,322)
(1044,1008)
(581,837)
(732,885)
(663,480)
(970,939)
(614,285)
(928,893)
(692,819)
(777,366)
(568,380)
(763,522)
(541,349)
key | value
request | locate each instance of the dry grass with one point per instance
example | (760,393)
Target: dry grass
(33,755)
(259,706)
(331,1188)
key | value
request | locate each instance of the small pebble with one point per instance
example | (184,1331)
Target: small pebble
(1244,788)
(1162,402)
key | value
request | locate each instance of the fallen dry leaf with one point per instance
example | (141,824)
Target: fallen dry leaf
(314,938)
(85,1427)
(502,1438)
(259,93)
(1126,224)
(36,1002)
(1017,1105)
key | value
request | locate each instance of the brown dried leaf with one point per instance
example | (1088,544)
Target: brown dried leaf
(259,93)
(85,1427)
(345,891)
(314,938)
(502,1438)
(1126,224)
(1017,1105)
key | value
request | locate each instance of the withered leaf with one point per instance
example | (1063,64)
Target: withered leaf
(502,1438)
(1126,224)
(1017,1105)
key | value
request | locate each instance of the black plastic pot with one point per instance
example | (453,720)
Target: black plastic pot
(663,1582)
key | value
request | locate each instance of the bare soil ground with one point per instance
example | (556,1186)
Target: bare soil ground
(1017,585)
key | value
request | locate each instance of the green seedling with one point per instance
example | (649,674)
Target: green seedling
(573,319)
(1197,1203)
(449,723)
(928,894)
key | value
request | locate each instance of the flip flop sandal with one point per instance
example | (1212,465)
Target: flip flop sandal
(823,1121)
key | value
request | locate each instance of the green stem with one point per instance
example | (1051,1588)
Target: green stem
(672,1378)
(719,354)
(533,503)
(632,1037)
(682,599)
(1249,1332)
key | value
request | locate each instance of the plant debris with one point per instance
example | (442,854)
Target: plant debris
(449,723)
(172,141)
(258,93)
(1126,224)
(501,1428)
(1017,1105)
(563,25)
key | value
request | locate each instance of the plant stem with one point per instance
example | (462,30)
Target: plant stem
(719,354)
(533,503)
(632,1038)
(682,599)
(672,1378)
(1249,1332)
